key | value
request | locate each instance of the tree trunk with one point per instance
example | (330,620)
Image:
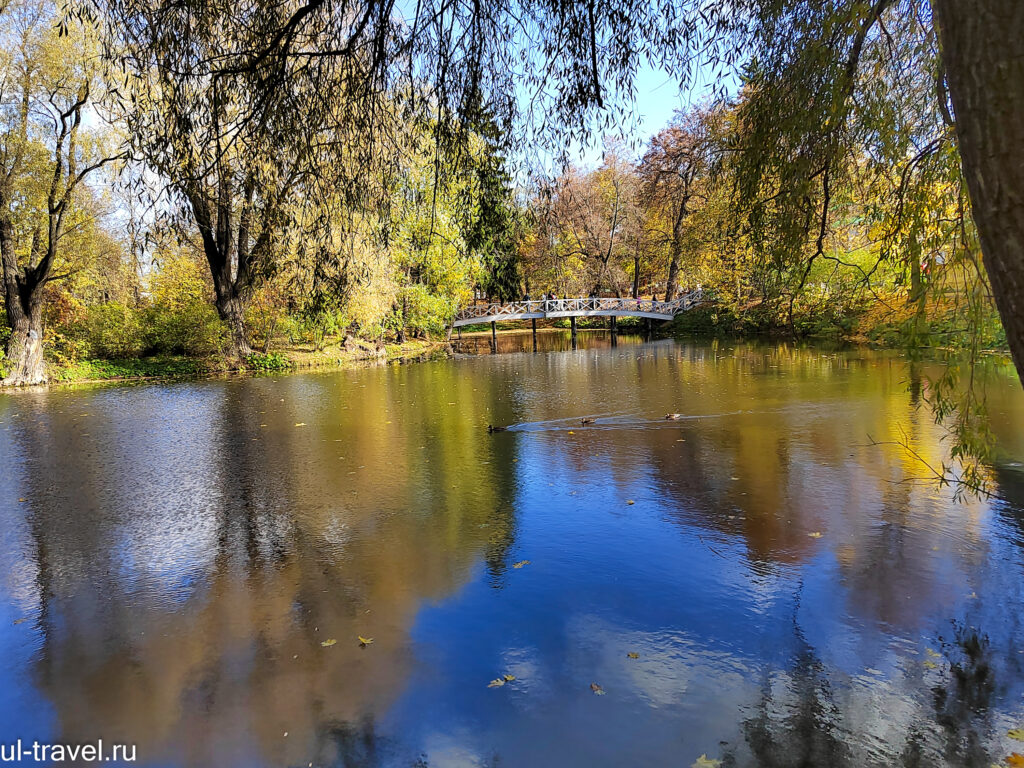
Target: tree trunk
(636,277)
(982,46)
(677,251)
(24,353)
(232,311)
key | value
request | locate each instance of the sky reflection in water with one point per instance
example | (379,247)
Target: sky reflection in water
(183,550)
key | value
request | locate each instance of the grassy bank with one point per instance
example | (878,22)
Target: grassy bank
(293,358)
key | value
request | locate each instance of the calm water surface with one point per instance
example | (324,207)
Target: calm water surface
(173,557)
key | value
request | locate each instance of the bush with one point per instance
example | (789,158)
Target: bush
(192,329)
(111,331)
(272,361)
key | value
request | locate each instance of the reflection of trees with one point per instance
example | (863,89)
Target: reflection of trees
(190,561)
(963,701)
(798,725)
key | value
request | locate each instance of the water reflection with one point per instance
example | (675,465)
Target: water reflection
(176,556)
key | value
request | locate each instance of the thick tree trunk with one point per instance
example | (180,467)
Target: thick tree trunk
(982,46)
(24,352)
(232,311)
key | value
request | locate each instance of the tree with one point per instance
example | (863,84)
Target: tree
(982,58)
(49,79)
(232,175)
(673,169)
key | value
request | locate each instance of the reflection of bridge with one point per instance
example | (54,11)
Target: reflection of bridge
(573,308)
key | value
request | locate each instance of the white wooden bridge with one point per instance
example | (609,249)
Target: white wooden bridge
(572,308)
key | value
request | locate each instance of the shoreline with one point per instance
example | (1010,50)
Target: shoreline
(295,360)
(362,354)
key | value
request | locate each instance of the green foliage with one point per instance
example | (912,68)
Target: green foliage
(90,370)
(112,331)
(192,329)
(180,318)
(271,361)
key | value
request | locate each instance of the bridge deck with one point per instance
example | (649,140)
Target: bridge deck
(580,307)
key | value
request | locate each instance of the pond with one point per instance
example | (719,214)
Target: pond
(188,568)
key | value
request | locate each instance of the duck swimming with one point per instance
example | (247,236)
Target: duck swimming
(491,428)
(673,416)
(587,421)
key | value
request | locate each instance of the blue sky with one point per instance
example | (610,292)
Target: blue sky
(658,96)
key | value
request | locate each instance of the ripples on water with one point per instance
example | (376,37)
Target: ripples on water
(173,556)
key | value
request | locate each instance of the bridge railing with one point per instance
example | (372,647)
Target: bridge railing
(496,311)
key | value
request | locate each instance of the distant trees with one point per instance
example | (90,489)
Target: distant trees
(675,169)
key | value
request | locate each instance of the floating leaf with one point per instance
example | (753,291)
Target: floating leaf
(496,682)
(630,501)
(1016,760)
(521,563)
(815,534)
(509,678)
(706,762)
(932,653)
(364,641)
(1016,733)
(328,643)
(632,655)
(300,424)
(571,432)
(597,689)
(22,620)
(929,664)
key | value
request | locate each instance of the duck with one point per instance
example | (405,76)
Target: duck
(587,421)
(673,416)
(491,428)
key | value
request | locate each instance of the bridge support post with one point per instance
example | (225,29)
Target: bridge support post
(614,324)
(649,326)
(572,326)
(533,323)
(494,337)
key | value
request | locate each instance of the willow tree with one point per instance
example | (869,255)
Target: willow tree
(49,80)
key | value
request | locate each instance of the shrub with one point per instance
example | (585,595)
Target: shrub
(111,331)
(192,329)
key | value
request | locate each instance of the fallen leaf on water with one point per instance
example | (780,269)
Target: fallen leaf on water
(815,534)
(571,432)
(20,621)
(630,501)
(706,762)
(932,653)
(300,424)
(1015,759)
(496,682)
(509,678)
(632,655)
(20,499)
(929,664)
(364,641)
(1016,733)
(597,689)
(521,563)
(328,643)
